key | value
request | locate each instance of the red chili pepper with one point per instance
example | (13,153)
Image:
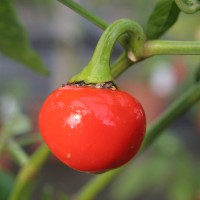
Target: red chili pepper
(92,130)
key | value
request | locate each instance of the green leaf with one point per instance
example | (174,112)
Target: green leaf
(47,193)
(197,74)
(162,18)
(14,41)
(155,171)
(184,185)
(6,184)
(139,178)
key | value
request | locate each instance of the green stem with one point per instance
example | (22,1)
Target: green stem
(89,16)
(166,47)
(17,152)
(177,109)
(5,135)
(120,65)
(85,13)
(183,104)
(28,172)
(29,139)
(188,6)
(98,69)
(95,185)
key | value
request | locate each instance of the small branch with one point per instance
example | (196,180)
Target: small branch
(17,152)
(28,172)
(178,108)
(183,104)
(29,139)
(95,185)
(85,13)
(90,17)
(165,47)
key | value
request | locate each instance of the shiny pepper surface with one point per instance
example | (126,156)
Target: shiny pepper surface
(92,130)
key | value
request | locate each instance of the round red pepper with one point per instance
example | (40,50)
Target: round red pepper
(92,130)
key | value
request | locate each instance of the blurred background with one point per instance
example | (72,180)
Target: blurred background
(170,169)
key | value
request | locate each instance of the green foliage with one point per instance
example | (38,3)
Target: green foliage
(197,75)
(162,18)
(168,168)
(188,6)
(48,193)
(6,183)
(14,42)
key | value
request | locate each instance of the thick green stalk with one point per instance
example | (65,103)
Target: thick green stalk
(167,47)
(120,65)
(183,104)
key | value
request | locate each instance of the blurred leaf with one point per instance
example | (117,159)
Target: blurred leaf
(14,42)
(183,187)
(140,177)
(162,18)
(167,167)
(19,124)
(6,183)
(28,191)
(197,75)
(15,122)
(47,193)
(63,197)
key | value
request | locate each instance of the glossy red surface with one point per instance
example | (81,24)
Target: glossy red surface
(90,129)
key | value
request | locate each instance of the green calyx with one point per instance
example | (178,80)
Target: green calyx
(98,69)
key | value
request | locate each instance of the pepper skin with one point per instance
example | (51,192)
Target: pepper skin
(92,130)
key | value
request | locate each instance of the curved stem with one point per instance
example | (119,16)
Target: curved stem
(98,69)
(188,6)
(87,14)
(161,47)
(183,104)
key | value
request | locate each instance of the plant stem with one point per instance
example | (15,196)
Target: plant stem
(120,65)
(178,108)
(17,152)
(98,69)
(188,6)
(28,172)
(184,103)
(166,47)
(29,139)
(89,16)
(85,13)
(95,185)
